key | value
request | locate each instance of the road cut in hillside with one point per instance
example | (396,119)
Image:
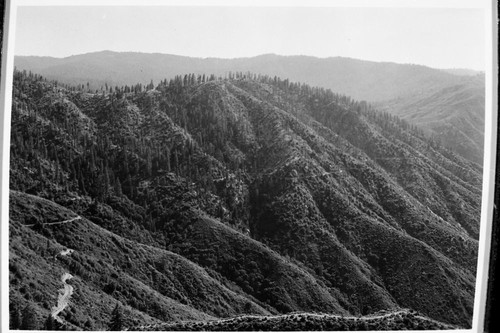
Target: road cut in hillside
(66,252)
(63,298)
(59,222)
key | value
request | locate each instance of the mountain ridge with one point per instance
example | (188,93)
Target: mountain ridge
(280,196)
(455,71)
(395,88)
(226,65)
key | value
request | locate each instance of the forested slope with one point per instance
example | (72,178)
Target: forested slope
(238,195)
(447,104)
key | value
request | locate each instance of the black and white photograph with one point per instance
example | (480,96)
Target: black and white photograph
(247,165)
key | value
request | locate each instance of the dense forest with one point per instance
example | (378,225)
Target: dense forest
(204,197)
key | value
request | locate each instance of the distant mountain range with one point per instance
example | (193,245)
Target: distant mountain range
(412,92)
(362,80)
(200,199)
(463,71)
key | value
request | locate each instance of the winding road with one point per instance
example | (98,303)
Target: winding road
(65,293)
(56,223)
(63,298)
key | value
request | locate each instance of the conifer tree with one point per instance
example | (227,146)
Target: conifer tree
(118,188)
(116,323)
(50,324)
(129,186)
(29,319)
(15,317)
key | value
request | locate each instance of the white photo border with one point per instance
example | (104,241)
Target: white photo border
(491,112)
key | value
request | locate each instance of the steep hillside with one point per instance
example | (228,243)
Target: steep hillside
(247,195)
(151,284)
(453,115)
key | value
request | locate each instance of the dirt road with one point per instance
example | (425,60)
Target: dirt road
(63,298)
(59,222)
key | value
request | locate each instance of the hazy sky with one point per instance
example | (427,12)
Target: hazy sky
(441,38)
